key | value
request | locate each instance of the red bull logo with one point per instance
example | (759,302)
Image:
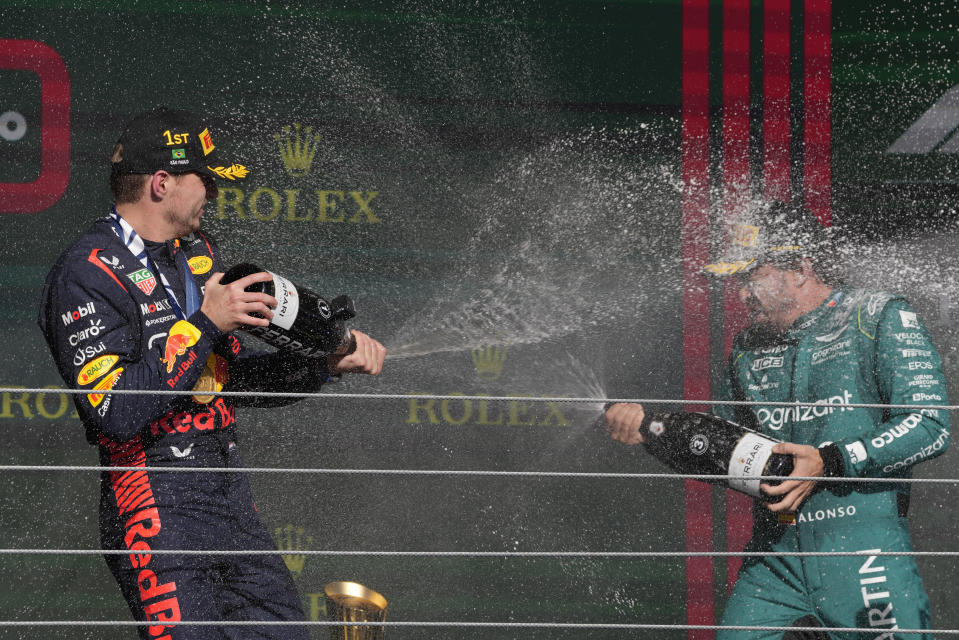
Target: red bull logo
(136,503)
(218,415)
(181,337)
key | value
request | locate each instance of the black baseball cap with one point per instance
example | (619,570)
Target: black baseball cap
(171,140)
(773,232)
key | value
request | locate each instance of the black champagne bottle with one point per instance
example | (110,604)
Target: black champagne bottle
(704,444)
(303,322)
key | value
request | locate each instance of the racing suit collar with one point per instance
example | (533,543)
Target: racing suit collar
(805,321)
(165,251)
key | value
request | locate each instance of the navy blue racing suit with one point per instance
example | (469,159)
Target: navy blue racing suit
(110,323)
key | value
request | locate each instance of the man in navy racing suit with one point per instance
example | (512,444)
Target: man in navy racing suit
(136,303)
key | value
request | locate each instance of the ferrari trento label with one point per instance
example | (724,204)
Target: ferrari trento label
(747,463)
(287,302)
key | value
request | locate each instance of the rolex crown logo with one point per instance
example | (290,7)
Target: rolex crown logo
(297,147)
(489,362)
(292,540)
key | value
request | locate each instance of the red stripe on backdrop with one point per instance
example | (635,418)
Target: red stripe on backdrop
(695,248)
(736,193)
(776,185)
(776,138)
(817,92)
(735,158)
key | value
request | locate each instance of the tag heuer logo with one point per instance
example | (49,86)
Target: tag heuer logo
(144,280)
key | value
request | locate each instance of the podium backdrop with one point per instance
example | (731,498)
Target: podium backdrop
(500,187)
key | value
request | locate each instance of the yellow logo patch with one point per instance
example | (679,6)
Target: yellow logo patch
(93,370)
(233,172)
(745,235)
(206,141)
(728,268)
(200,264)
(107,383)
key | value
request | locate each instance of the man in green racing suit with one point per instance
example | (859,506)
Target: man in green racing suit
(814,341)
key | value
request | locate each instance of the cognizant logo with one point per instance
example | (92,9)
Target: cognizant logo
(776,417)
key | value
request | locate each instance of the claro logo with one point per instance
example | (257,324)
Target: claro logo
(31,196)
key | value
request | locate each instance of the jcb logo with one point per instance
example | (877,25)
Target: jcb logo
(768,362)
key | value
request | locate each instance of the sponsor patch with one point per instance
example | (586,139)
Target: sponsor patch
(113,262)
(767,362)
(82,311)
(909,319)
(857,451)
(92,331)
(835,350)
(83,354)
(829,337)
(96,369)
(206,141)
(181,337)
(144,280)
(200,264)
(776,418)
(182,453)
(103,385)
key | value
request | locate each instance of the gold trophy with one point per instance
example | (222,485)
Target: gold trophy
(352,602)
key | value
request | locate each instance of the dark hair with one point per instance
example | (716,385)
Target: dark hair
(817,243)
(127,187)
(823,261)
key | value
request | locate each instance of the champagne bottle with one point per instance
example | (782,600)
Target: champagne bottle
(303,322)
(703,444)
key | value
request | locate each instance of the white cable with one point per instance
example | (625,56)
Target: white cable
(429,396)
(486,554)
(527,554)
(462,472)
(489,625)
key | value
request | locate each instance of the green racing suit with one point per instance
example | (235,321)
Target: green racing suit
(858,347)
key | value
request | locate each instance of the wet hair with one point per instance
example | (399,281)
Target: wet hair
(824,264)
(127,188)
(818,243)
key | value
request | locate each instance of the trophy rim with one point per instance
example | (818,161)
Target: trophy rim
(337,591)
